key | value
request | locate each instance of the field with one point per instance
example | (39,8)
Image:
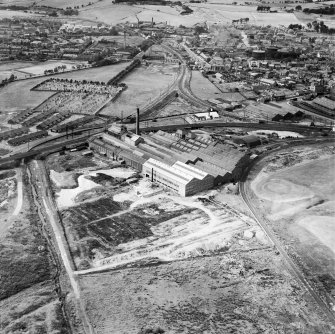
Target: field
(296,191)
(248,292)
(65,3)
(40,68)
(144,84)
(11,13)
(17,95)
(104,73)
(28,301)
(203,88)
(211,13)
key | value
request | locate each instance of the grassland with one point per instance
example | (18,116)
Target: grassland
(28,300)
(296,191)
(104,73)
(203,88)
(144,84)
(210,12)
(17,95)
(224,293)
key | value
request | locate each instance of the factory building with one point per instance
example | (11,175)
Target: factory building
(117,153)
(181,178)
(181,161)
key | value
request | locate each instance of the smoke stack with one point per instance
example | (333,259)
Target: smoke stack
(138,121)
(152,22)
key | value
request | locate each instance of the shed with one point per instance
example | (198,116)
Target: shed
(249,141)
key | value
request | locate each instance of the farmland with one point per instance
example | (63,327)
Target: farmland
(296,191)
(211,13)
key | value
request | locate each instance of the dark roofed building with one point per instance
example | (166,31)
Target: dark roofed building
(249,141)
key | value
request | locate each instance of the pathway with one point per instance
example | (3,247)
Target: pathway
(19,192)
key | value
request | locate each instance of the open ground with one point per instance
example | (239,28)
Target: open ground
(184,265)
(113,14)
(295,190)
(28,299)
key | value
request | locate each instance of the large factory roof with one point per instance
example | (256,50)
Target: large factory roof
(192,171)
(179,172)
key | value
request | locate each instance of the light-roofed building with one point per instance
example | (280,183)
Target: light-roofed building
(179,177)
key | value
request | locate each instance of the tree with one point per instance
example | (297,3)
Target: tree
(298,7)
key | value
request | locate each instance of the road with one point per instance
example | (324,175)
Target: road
(291,266)
(42,183)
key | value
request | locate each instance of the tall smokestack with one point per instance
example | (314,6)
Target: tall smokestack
(138,121)
(152,22)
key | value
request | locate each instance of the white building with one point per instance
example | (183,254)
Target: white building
(180,177)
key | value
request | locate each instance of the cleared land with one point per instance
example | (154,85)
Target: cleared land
(296,191)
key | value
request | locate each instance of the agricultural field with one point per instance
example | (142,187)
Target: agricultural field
(211,13)
(295,190)
(204,12)
(13,13)
(28,301)
(144,84)
(65,3)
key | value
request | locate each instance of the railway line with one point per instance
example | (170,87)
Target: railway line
(244,188)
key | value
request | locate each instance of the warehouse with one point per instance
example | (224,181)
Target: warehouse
(181,178)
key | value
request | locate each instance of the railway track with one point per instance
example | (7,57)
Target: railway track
(290,264)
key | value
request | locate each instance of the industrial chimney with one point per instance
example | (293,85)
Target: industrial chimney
(138,121)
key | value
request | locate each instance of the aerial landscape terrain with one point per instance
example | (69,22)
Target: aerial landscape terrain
(167,167)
